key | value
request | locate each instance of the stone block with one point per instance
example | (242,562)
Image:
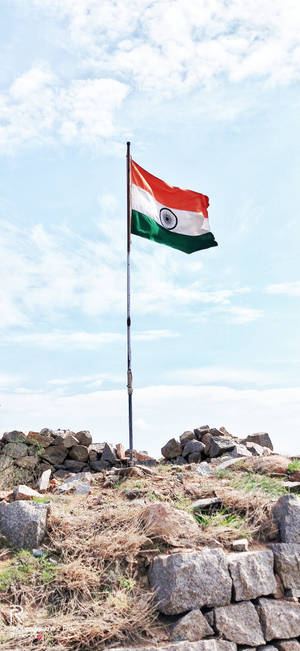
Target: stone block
(193,626)
(201,645)
(252,574)
(286,514)
(22,492)
(192,447)
(171,449)
(27,462)
(23,523)
(43,482)
(79,453)
(219,445)
(287,563)
(262,438)
(14,437)
(109,454)
(15,450)
(279,619)
(239,623)
(54,454)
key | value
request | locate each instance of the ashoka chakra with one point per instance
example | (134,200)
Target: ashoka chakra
(168,219)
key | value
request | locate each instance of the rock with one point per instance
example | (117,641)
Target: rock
(180,461)
(200,431)
(14,437)
(15,450)
(230,462)
(69,440)
(252,574)
(279,619)
(204,469)
(286,515)
(23,492)
(292,594)
(266,647)
(38,553)
(23,523)
(84,437)
(43,482)
(184,581)
(78,484)
(120,450)
(225,432)
(186,436)
(73,466)
(5,462)
(27,462)
(193,626)
(193,447)
(255,449)
(240,545)
(194,457)
(36,438)
(79,453)
(47,432)
(288,645)
(239,623)
(292,486)
(109,454)
(201,645)
(61,474)
(240,450)
(287,563)
(262,438)
(55,454)
(207,503)
(95,451)
(99,465)
(171,449)
(219,445)
(218,432)
(161,520)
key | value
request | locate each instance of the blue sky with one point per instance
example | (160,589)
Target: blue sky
(208,94)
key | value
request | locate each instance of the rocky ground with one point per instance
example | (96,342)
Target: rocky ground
(201,551)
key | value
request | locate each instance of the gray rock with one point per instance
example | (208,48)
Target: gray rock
(5,462)
(61,474)
(204,469)
(287,563)
(109,454)
(14,437)
(239,623)
(219,445)
(171,449)
(217,432)
(230,462)
(15,450)
(252,574)
(292,594)
(240,450)
(47,432)
(95,451)
(186,436)
(84,437)
(193,626)
(79,484)
(79,453)
(279,619)
(240,545)
(262,438)
(206,504)
(288,645)
(200,431)
(201,645)
(43,482)
(194,457)
(266,647)
(292,486)
(286,514)
(192,447)
(23,492)
(55,454)
(255,449)
(180,461)
(99,465)
(184,581)
(23,523)
(73,466)
(27,462)
(69,440)
(36,438)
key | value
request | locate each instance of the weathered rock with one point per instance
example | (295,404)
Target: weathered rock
(23,523)
(240,545)
(292,594)
(201,645)
(14,437)
(204,469)
(193,626)
(230,462)
(279,619)
(109,454)
(206,504)
(252,574)
(163,521)
(95,451)
(287,563)
(79,453)
(262,438)
(5,462)
(36,438)
(84,437)
(184,581)
(286,514)
(239,623)
(73,466)
(255,449)
(200,431)
(27,462)
(15,450)
(69,441)
(120,450)
(266,647)
(78,484)
(100,465)
(43,482)
(218,432)
(240,450)
(187,436)
(171,449)
(22,492)
(47,432)
(192,447)
(288,645)
(219,445)
(61,474)
(180,461)
(55,454)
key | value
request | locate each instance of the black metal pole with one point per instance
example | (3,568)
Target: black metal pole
(129,372)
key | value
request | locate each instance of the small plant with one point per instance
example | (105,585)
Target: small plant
(127,584)
(24,567)
(294,465)
(251,482)
(43,499)
(182,503)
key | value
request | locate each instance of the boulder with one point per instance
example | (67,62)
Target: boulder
(5,462)
(279,619)
(79,453)
(255,449)
(95,450)
(230,462)
(218,432)
(14,437)
(23,523)
(187,436)
(239,623)
(262,438)
(240,450)
(43,482)
(201,645)
(15,450)
(79,484)
(69,440)
(74,466)
(171,449)
(109,454)
(23,492)
(204,469)
(184,581)
(288,645)
(287,564)
(180,461)
(47,432)
(219,445)
(84,437)
(55,454)
(161,520)
(36,438)
(99,465)
(27,462)
(200,431)
(286,515)
(193,626)
(252,574)
(193,447)
(120,450)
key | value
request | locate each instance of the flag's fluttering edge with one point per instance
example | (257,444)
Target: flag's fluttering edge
(169,215)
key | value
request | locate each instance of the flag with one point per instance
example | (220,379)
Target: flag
(168,215)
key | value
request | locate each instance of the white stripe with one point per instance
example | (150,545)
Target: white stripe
(189,223)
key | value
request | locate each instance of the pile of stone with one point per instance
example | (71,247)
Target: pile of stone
(62,451)
(206,443)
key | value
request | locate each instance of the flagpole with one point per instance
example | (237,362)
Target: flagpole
(129,372)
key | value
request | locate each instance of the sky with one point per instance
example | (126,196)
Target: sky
(208,94)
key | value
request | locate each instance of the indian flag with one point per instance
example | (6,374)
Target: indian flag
(169,215)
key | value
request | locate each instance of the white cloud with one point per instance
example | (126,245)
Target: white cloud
(218,374)
(168,410)
(7,380)
(287,289)
(80,340)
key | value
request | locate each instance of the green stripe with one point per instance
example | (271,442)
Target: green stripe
(151,230)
